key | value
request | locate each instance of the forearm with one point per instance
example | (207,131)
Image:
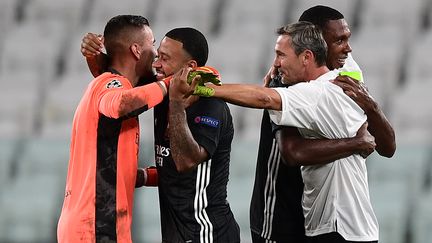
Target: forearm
(383,132)
(185,151)
(132,102)
(145,96)
(97,64)
(378,125)
(247,95)
(298,151)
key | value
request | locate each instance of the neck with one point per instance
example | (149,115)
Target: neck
(316,72)
(126,69)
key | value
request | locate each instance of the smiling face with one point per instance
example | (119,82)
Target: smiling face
(171,58)
(336,34)
(147,54)
(289,65)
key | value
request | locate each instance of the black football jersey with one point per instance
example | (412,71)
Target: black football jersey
(275,211)
(193,205)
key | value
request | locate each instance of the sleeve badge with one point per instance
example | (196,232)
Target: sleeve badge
(114,84)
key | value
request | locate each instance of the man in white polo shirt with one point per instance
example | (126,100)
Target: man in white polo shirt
(336,200)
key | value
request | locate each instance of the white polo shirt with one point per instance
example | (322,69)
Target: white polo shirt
(336,195)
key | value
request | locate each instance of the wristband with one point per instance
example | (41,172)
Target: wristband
(203,91)
(151,176)
(352,74)
(163,86)
(167,81)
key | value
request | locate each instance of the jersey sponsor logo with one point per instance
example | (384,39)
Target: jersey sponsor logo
(161,152)
(209,121)
(114,84)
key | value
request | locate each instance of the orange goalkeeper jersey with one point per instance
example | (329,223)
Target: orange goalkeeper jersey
(103,164)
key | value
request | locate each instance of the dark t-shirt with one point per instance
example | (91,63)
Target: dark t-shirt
(193,205)
(275,211)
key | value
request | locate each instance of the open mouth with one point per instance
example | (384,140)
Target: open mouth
(160,76)
(341,61)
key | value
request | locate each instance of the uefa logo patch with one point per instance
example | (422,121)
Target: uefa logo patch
(209,121)
(114,84)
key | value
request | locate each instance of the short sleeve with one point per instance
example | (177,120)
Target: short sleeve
(208,120)
(109,95)
(319,106)
(299,103)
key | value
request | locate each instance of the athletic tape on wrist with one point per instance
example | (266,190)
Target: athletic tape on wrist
(203,91)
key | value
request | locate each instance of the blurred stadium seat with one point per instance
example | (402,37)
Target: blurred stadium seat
(59,110)
(418,64)
(192,13)
(379,52)
(422,219)
(411,113)
(102,10)
(7,21)
(19,100)
(385,13)
(30,208)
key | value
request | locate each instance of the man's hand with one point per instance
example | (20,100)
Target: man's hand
(357,92)
(271,74)
(179,89)
(379,126)
(92,45)
(208,75)
(367,141)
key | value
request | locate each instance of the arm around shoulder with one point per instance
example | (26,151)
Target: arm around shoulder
(298,151)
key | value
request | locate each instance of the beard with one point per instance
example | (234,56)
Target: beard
(147,78)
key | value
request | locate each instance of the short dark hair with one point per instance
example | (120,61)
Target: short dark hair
(118,30)
(306,36)
(319,15)
(194,43)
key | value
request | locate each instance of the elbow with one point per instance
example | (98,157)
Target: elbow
(261,101)
(292,158)
(289,162)
(121,112)
(387,148)
(128,103)
(183,169)
(265,101)
(183,165)
(291,154)
(114,106)
(269,100)
(124,106)
(387,152)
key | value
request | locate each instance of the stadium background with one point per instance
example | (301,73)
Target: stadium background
(43,75)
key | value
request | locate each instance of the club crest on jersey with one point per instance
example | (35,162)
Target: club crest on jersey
(209,121)
(114,84)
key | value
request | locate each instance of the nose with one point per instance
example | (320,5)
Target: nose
(348,48)
(156,63)
(276,62)
(154,53)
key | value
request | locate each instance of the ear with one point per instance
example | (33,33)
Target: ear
(307,57)
(192,64)
(136,50)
